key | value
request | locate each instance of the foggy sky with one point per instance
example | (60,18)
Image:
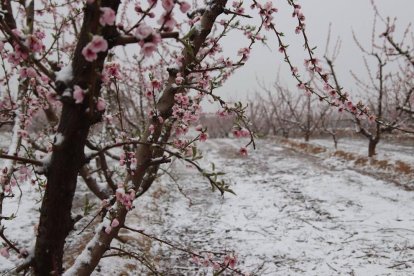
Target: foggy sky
(344,15)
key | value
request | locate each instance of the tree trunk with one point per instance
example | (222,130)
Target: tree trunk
(307,136)
(68,158)
(371,147)
(55,219)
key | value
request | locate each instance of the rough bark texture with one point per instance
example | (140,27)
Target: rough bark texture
(68,158)
(55,219)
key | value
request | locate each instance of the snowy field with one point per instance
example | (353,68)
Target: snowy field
(386,150)
(294,214)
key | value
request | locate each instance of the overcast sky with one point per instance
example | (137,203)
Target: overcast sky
(344,15)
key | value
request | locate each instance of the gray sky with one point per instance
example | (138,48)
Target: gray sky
(345,16)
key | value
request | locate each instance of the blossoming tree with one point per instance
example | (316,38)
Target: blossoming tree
(70,63)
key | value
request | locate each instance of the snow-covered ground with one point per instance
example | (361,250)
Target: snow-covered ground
(294,214)
(291,216)
(386,150)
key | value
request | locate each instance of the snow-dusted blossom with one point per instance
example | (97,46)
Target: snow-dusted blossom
(125,198)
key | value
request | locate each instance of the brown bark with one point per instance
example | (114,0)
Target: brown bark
(372,146)
(68,158)
(55,218)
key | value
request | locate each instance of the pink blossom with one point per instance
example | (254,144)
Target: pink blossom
(168,5)
(152,2)
(78,94)
(179,79)
(108,229)
(148,49)
(23,133)
(216,266)
(149,94)
(101,104)
(301,86)
(237,133)
(244,52)
(156,84)
(107,17)
(230,260)
(195,259)
(98,44)
(44,78)
(115,223)
(243,151)
(34,43)
(5,252)
(199,128)
(184,6)
(7,189)
(89,54)
(244,132)
(113,69)
(203,137)
(122,159)
(167,19)
(31,72)
(109,119)
(143,31)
